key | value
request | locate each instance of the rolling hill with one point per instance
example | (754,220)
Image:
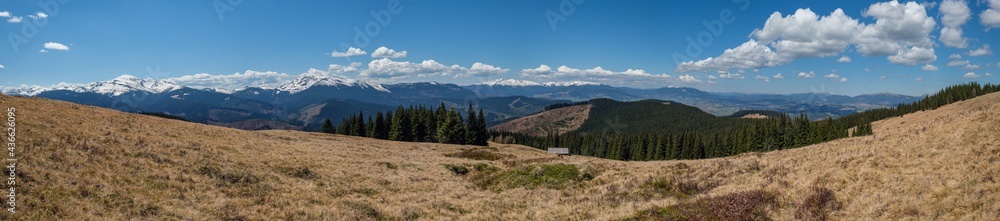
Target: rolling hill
(83,162)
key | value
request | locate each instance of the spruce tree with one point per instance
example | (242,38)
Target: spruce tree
(327,127)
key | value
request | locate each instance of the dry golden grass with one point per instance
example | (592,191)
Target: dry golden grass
(560,120)
(81,162)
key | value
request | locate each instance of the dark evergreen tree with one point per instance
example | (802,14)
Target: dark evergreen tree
(327,127)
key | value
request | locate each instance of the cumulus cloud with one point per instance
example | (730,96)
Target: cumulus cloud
(832,76)
(712,77)
(844,59)
(988,74)
(385,68)
(751,54)
(985,50)
(929,67)
(778,76)
(350,52)
(481,70)
(958,63)
(688,79)
(341,69)
(972,66)
(56,46)
(901,31)
(599,74)
(955,56)
(728,75)
(15,19)
(913,56)
(991,16)
(39,15)
(5,14)
(232,81)
(384,52)
(807,75)
(1,66)
(842,80)
(762,78)
(954,14)
(971,75)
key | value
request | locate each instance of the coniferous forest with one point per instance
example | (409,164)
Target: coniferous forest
(735,136)
(416,124)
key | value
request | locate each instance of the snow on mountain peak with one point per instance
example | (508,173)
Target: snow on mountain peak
(315,77)
(510,82)
(117,86)
(526,83)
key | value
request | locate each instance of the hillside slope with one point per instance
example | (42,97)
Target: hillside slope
(81,162)
(559,121)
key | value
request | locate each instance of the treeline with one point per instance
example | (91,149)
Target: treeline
(416,124)
(748,135)
(562,105)
(162,115)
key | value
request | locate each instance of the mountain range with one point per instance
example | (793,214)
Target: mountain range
(314,96)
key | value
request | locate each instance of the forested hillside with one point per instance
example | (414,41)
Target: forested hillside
(646,130)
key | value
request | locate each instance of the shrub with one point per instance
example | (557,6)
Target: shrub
(478,154)
(458,170)
(818,205)
(676,187)
(553,176)
(749,205)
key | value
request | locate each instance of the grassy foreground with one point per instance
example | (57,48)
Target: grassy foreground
(81,162)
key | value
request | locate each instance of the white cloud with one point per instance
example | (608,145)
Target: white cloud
(972,66)
(712,77)
(806,34)
(929,67)
(15,19)
(56,46)
(842,80)
(778,76)
(844,59)
(341,69)
(599,74)
(988,74)
(728,75)
(985,50)
(991,16)
(868,70)
(5,14)
(350,52)
(958,63)
(384,52)
(971,75)
(688,78)
(385,68)
(913,56)
(832,76)
(751,54)
(955,56)
(480,69)
(900,30)
(1,66)
(42,51)
(897,27)
(39,15)
(232,81)
(954,14)
(807,75)
(919,79)
(762,78)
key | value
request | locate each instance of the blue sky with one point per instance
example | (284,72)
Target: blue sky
(892,46)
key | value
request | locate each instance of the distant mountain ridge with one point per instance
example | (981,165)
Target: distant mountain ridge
(296,101)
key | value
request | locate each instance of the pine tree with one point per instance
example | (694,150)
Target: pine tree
(381,131)
(400,129)
(327,127)
(482,135)
(471,126)
(451,131)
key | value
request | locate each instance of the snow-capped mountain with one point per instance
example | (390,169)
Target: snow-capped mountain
(527,83)
(316,78)
(118,86)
